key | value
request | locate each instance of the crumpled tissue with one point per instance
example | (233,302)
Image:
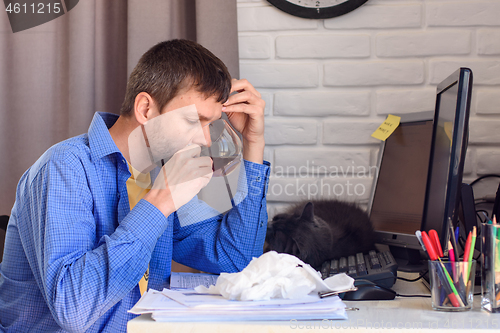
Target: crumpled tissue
(275,275)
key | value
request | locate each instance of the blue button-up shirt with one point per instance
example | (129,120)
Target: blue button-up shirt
(75,252)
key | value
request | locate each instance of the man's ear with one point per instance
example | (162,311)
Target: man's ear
(144,108)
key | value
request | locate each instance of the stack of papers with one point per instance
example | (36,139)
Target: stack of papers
(188,305)
(182,280)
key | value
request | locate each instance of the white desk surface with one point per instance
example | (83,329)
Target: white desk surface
(397,315)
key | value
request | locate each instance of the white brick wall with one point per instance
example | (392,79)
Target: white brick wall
(255,47)
(485,131)
(355,132)
(265,18)
(488,101)
(321,103)
(417,44)
(487,161)
(484,42)
(373,73)
(379,16)
(281,131)
(323,46)
(398,101)
(462,13)
(329,83)
(281,75)
(290,161)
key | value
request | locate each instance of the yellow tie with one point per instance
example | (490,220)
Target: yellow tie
(137,186)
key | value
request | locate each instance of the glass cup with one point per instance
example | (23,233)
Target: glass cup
(490,269)
(452,284)
(225,149)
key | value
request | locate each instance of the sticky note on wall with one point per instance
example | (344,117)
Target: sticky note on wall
(387,128)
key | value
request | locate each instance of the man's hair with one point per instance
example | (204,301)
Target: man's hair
(173,65)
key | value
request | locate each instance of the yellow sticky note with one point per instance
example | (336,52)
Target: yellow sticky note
(387,128)
(448,129)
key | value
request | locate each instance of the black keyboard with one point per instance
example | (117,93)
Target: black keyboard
(379,267)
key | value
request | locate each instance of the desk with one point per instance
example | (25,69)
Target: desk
(397,315)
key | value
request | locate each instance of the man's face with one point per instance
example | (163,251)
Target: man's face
(182,122)
(191,124)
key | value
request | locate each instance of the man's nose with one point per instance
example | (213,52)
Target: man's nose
(203,137)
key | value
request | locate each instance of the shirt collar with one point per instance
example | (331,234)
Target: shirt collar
(142,180)
(100,141)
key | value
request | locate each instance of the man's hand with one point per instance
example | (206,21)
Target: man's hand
(184,175)
(245,111)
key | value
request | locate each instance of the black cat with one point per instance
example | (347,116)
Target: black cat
(320,230)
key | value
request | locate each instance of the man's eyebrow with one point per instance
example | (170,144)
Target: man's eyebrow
(204,118)
(200,117)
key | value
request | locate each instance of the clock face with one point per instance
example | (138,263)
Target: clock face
(317,9)
(317,4)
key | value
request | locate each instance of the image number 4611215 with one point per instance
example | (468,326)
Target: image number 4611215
(24,14)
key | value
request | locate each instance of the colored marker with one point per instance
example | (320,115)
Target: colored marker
(458,280)
(433,235)
(418,233)
(453,239)
(460,285)
(471,252)
(442,297)
(429,246)
(451,254)
(467,247)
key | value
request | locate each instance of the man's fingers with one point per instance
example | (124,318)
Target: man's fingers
(243,85)
(244,108)
(245,97)
(192,151)
(184,167)
(199,162)
(196,170)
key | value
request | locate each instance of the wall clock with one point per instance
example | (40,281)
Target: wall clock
(317,9)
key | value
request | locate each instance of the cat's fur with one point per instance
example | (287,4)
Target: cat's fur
(320,230)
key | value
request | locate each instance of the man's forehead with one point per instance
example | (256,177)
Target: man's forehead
(204,112)
(209,113)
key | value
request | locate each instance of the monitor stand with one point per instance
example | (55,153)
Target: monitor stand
(409,260)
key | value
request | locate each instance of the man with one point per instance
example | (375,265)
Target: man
(75,250)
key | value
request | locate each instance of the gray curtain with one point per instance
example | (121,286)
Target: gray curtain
(53,77)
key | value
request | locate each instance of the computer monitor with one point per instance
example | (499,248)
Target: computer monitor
(420,169)
(398,192)
(496,206)
(449,145)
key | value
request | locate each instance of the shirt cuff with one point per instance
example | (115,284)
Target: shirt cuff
(146,222)
(255,179)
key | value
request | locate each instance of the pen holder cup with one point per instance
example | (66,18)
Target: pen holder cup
(452,284)
(490,268)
